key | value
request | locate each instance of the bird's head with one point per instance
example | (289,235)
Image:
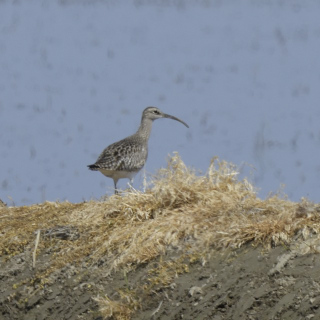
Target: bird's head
(154,113)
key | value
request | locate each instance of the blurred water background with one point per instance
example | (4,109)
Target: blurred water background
(76,75)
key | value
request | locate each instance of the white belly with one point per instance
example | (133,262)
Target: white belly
(116,175)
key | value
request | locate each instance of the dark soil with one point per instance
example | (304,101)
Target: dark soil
(250,283)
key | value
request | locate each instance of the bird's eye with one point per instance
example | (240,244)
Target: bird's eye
(156,112)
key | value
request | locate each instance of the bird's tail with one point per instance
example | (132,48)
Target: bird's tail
(93,167)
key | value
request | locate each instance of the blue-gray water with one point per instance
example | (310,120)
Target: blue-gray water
(76,75)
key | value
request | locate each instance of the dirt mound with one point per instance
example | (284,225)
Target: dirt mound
(240,284)
(191,247)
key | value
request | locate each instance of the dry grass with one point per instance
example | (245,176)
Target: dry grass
(118,309)
(182,210)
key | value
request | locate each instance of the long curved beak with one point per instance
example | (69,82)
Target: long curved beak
(174,118)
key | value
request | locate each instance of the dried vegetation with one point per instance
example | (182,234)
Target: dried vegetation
(183,211)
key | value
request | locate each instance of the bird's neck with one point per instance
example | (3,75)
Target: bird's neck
(145,129)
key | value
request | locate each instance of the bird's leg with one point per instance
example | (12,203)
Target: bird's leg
(130,183)
(115,187)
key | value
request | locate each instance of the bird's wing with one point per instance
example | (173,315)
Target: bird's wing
(123,156)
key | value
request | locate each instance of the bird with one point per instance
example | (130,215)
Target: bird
(125,158)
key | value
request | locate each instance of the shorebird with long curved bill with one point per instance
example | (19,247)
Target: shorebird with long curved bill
(125,158)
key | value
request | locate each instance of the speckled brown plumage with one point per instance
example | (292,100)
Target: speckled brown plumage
(129,154)
(125,158)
